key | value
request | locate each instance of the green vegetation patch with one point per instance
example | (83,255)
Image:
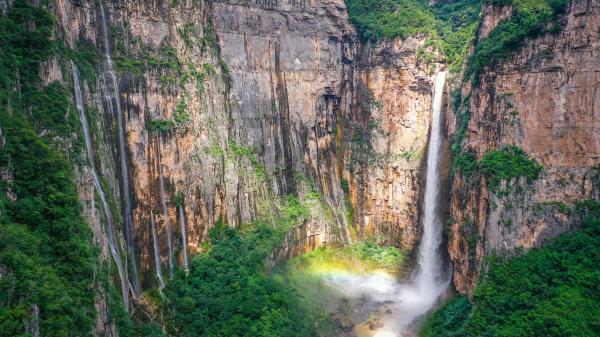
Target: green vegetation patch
(530,19)
(456,24)
(549,291)
(451,25)
(377,19)
(228,293)
(507,163)
(46,253)
(503,164)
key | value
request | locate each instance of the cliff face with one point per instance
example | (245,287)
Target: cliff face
(230,106)
(389,129)
(544,99)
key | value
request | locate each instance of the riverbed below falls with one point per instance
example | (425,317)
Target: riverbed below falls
(350,292)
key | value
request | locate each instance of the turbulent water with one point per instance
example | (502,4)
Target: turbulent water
(123,154)
(112,242)
(383,306)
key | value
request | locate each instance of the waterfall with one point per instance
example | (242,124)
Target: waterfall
(186,262)
(429,279)
(159,275)
(163,202)
(123,156)
(114,249)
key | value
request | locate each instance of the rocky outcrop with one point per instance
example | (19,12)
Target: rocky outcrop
(545,100)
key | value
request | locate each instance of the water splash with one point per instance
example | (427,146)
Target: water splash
(112,242)
(186,262)
(123,156)
(163,202)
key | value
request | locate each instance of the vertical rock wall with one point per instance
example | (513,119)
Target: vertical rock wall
(546,100)
(234,101)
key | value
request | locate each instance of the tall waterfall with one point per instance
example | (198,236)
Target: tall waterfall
(186,262)
(112,242)
(163,202)
(157,266)
(123,161)
(429,279)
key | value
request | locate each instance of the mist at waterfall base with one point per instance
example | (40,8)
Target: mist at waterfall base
(381,302)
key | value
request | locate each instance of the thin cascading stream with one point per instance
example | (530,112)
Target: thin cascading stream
(128,218)
(112,242)
(157,266)
(186,263)
(430,280)
(163,202)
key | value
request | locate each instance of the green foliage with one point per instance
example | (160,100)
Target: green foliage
(180,115)
(456,24)
(165,125)
(466,163)
(187,32)
(160,125)
(45,243)
(550,291)
(228,293)
(530,19)
(451,25)
(239,151)
(87,59)
(503,164)
(377,19)
(447,321)
(507,163)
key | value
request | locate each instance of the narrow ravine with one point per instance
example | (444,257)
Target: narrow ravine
(110,231)
(126,193)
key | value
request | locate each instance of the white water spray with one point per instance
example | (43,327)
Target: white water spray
(186,262)
(123,155)
(157,266)
(114,249)
(165,211)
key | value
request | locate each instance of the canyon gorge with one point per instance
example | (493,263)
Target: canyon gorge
(140,139)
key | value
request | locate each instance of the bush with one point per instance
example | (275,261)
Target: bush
(507,163)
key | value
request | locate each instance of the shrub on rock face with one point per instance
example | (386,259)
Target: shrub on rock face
(507,163)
